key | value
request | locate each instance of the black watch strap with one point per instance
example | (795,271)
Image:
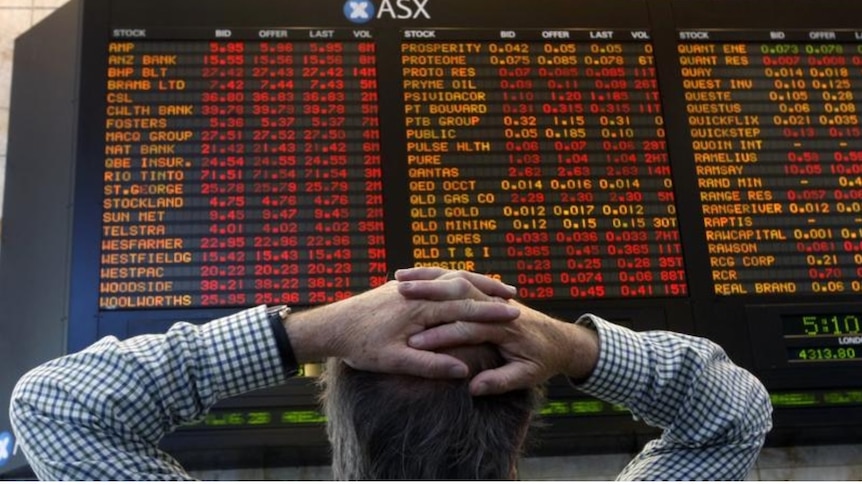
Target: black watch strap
(276,316)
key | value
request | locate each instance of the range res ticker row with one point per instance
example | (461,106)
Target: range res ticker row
(248,171)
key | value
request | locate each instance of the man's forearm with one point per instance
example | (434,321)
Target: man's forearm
(99,413)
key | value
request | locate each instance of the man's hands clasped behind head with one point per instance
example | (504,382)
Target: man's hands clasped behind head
(535,346)
(370,331)
(398,328)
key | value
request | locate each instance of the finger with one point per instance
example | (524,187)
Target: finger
(509,377)
(457,334)
(488,285)
(430,365)
(471,311)
(421,273)
(439,290)
(485,284)
(443,289)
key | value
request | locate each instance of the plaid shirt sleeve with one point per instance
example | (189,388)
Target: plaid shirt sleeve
(99,414)
(714,414)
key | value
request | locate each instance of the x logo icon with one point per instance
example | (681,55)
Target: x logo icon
(4,448)
(358,10)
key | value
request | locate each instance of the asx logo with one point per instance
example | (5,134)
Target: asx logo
(7,447)
(362,11)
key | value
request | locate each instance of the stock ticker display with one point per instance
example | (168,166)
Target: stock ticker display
(778,152)
(241,173)
(260,165)
(249,171)
(543,161)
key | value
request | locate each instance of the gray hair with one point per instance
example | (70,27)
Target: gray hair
(386,426)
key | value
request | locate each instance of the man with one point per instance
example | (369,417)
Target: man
(100,413)
(715,414)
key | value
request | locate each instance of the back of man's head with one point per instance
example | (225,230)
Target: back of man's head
(385,426)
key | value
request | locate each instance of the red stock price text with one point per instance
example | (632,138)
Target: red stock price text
(239,173)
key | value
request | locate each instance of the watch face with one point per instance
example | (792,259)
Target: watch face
(279,310)
(274,309)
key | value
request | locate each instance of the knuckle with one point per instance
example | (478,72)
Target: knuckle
(436,311)
(461,285)
(470,308)
(461,274)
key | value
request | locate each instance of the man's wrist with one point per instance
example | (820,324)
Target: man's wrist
(621,372)
(570,350)
(585,355)
(309,344)
(277,319)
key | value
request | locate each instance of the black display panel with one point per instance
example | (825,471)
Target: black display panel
(248,171)
(666,165)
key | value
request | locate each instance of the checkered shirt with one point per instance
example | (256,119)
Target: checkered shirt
(715,415)
(100,413)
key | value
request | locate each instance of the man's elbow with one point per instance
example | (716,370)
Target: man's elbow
(30,402)
(761,406)
(753,413)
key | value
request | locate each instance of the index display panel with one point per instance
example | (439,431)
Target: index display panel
(775,130)
(823,337)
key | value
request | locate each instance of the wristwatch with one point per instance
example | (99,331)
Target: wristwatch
(277,316)
(279,311)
